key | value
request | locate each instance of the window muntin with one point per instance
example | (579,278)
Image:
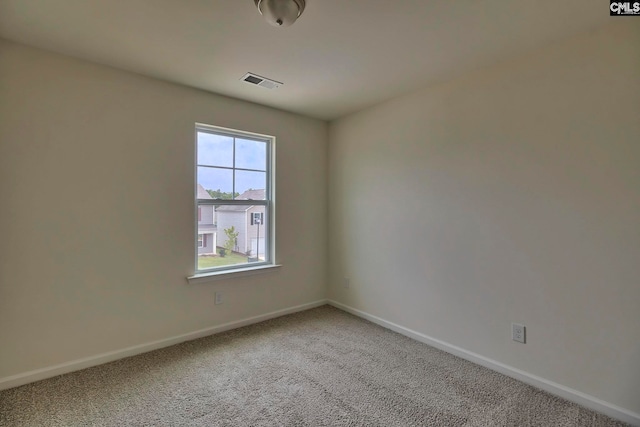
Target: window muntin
(233,167)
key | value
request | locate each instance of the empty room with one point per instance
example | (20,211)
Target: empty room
(319,213)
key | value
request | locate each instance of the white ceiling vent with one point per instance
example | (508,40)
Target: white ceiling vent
(261,81)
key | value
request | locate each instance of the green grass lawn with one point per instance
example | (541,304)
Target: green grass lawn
(218,261)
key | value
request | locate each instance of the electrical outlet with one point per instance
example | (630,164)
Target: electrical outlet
(218,298)
(346,283)
(518,332)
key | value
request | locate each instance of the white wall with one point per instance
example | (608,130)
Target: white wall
(97,213)
(511,195)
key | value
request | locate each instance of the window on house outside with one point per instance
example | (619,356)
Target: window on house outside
(234,189)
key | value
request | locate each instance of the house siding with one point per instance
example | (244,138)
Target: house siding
(227,219)
(252,232)
(206,215)
(209,246)
(206,219)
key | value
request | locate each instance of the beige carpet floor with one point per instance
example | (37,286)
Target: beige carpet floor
(321,367)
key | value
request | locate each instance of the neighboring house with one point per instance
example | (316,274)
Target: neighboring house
(251,233)
(207,230)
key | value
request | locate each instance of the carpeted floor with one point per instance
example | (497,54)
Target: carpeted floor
(322,367)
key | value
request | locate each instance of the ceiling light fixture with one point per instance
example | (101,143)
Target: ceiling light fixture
(280,13)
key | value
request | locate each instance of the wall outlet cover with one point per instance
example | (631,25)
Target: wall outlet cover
(518,333)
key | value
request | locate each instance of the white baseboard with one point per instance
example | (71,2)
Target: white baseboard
(99,359)
(567,393)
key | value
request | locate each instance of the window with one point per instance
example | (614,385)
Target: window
(256,218)
(234,199)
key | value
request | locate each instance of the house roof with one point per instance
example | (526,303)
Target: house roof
(202,193)
(247,195)
(251,195)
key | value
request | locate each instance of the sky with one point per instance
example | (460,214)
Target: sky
(217,151)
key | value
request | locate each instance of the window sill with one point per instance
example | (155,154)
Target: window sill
(231,274)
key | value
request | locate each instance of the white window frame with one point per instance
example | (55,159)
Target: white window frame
(200,240)
(268,203)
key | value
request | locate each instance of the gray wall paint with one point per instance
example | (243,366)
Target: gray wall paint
(511,195)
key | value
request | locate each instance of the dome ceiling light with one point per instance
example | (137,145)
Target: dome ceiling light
(280,13)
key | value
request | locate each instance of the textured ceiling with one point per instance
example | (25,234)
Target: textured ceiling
(341,55)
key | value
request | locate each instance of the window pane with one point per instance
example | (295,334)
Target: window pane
(218,181)
(251,185)
(215,150)
(251,154)
(232,235)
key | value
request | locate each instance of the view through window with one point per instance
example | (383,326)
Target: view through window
(233,197)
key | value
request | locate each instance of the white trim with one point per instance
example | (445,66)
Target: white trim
(99,359)
(232,132)
(232,273)
(567,393)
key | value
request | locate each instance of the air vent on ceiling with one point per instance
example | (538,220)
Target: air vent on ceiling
(261,81)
